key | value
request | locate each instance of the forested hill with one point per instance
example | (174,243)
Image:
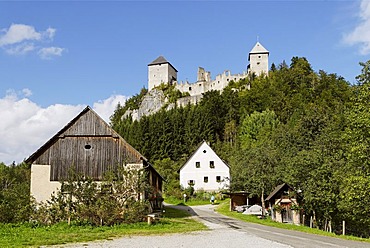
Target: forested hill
(308,129)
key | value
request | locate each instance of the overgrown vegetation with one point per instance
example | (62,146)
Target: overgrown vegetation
(224,209)
(171,93)
(306,128)
(117,199)
(15,202)
(26,235)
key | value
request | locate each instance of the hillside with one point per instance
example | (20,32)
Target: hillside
(308,129)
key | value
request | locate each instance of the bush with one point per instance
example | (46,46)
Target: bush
(15,202)
(81,200)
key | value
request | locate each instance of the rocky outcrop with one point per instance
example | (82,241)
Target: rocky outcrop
(151,103)
(155,100)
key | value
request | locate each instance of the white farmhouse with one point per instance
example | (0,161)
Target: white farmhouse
(204,170)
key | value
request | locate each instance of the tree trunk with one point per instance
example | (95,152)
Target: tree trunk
(263,203)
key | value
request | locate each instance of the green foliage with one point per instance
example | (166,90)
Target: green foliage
(15,201)
(308,129)
(171,92)
(113,201)
(33,235)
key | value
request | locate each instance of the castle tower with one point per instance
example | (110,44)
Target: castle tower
(160,71)
(258,60)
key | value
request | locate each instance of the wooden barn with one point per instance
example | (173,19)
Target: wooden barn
(88,146)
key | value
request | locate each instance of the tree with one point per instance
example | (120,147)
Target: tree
(15,200)
(260,158)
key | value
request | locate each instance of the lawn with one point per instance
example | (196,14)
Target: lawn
(224,208)
(173,221)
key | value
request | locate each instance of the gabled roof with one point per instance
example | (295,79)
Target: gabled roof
(258,49)
(161,60)
(53,139)
(276,190)
(110,132)
(196,150)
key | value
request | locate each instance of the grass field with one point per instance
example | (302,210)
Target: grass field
(26,235)
(224,208)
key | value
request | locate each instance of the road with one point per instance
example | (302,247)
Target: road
(281,236)
(226,232)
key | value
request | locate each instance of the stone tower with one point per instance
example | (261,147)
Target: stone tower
(258,60)
(160,71)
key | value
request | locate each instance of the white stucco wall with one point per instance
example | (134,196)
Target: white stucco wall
(200,87)
(190,172)
(259,63)
(161,73)
(41,186)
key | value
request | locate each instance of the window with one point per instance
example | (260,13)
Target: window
(258,63)
(218,179)
(191,182)
(206,179)
(189,88)
(212,164)
(197,164)
(87,147)
(204,151)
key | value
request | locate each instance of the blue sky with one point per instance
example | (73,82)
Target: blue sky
(57,57)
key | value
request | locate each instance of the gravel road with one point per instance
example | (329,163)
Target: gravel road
(226,232)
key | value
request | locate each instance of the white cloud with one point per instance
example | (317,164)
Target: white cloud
(18,33)
(361,33)
(20,49)
(20,39)
(49,52)
(105,108)
(26,126)
(50,33)
(27,92)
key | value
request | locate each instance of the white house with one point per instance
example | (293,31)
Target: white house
(204,170)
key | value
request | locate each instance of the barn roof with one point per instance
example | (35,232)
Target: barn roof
(64,131)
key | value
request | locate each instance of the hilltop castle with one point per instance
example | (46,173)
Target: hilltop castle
(161,71)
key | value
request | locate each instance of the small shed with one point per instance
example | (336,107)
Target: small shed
(284,205)
(242,198)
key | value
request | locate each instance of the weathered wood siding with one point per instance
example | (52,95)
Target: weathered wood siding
(90,147)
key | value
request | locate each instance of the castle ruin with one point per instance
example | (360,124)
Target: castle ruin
(161,71)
